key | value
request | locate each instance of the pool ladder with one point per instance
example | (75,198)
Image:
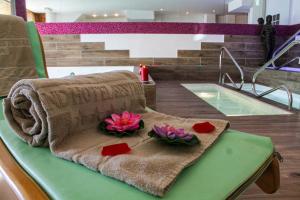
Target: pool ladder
(271,62)
(222,75)
(285,44)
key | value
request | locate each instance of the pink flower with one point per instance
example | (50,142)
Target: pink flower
(123,122)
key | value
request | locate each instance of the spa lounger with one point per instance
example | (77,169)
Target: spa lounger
(224,171)
(233,163)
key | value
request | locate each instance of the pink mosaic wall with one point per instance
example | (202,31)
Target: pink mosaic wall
(154,28)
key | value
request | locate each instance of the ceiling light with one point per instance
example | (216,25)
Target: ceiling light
(94,15)
(187,12)
(161,9)
(116,15)
(105,15)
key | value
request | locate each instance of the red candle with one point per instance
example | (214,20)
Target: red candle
(144,73)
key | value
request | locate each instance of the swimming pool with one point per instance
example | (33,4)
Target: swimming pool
(232,103)
(278,95)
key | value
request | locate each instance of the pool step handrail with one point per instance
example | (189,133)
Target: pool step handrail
(278,55)
(289,93)
(291,39)
(267,64)
(288,62)
(222,76)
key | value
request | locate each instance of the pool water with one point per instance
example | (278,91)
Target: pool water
(232,103)
(279,96)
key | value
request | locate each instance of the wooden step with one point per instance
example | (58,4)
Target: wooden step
(63,54)
(105,53)
(254,47)
(242,38)
(213,53)
(198,53)
(254,62)
(176,61)
(98,61)
(217,46)
(61,38)
(73,62)
(80,46)
(225,61)
(128,61)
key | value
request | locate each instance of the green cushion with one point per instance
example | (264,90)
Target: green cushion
(36,49)
(229,163)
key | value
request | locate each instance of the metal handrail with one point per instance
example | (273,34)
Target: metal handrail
(223,76)
(267,64)
(290,96)
(260,70)
(288,62)
(282,46)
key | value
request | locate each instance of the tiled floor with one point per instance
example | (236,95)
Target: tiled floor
(5,192)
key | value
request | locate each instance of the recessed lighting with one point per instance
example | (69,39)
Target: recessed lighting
(213,10)
(105,15)
(94,15)
(187,12)
(116,14)
(161,9)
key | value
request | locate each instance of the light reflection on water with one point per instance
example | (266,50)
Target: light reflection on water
(232,103)
(278,96)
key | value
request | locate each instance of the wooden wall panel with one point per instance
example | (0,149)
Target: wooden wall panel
(201,64)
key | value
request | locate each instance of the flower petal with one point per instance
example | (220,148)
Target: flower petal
(115,117)
(188,137)
(109,121)
(204,127)
(126,115)
(110,128)
(172,135)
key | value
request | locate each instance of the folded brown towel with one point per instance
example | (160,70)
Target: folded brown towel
(16,58)
(64,114)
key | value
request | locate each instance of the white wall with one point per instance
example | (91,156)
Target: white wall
(66,17)
(279,6)
(289,10)
(209,18)
(257,10)
(140,15)
(50,15)
(130,15)
(294,11)
(239,6)
(175,17)
(58,72)
(88,18)
(152,45)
